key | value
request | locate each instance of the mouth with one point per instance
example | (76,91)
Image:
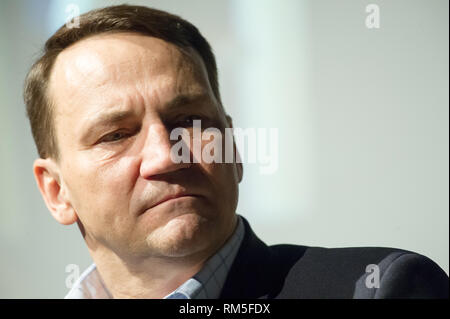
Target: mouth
(174,198)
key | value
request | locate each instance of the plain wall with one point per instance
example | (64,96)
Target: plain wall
(362,116)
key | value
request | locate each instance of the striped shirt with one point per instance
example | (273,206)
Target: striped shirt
(206,284)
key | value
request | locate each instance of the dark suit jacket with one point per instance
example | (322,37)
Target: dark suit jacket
(290,271)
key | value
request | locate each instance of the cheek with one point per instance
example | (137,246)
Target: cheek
(102,188)
(223,174)
(224,181)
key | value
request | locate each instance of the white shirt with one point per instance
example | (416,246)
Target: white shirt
(206,284)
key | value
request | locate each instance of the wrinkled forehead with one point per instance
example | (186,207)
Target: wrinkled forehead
(121,58)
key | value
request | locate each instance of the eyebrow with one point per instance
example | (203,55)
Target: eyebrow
(186,99)
(111,118)
(102,120)
(114,117)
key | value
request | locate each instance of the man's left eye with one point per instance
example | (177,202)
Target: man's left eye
(189,121)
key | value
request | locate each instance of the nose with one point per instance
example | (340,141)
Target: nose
(156,158)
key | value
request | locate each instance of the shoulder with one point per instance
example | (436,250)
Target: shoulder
(293,271)
(359,272)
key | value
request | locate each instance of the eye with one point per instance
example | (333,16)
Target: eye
(189,121)
(114,137)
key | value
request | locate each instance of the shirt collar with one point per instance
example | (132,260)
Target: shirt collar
(206,284)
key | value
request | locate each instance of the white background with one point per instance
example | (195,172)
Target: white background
(362,116)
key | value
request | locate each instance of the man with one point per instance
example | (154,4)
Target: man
(103,102)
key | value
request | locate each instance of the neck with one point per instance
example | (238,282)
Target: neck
(149,277)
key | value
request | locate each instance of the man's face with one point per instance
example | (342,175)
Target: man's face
(116,99)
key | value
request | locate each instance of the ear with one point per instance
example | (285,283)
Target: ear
(48,179)
(239,166)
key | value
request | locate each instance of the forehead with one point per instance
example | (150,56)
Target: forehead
(108,65)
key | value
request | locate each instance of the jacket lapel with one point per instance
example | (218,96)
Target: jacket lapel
(251,275)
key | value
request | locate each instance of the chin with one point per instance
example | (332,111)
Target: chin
(181,236)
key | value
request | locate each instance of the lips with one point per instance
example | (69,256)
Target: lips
(170,197)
